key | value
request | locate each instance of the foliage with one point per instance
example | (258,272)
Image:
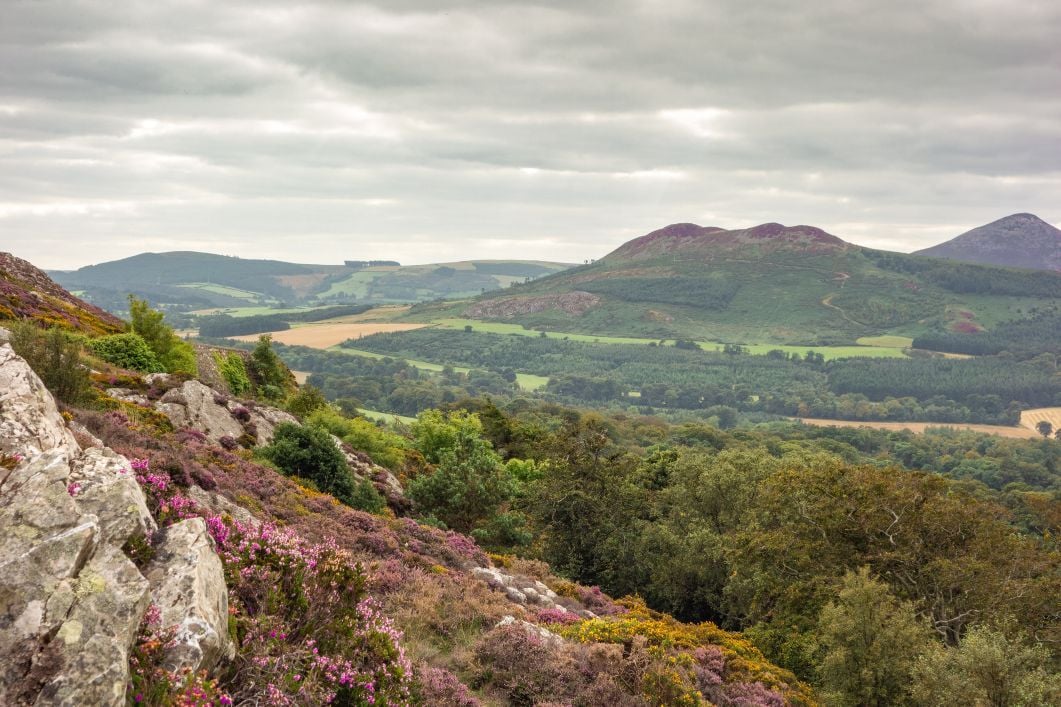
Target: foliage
(219,326)
(1024,338)
(310,453)
(127,351)
(175,355)
(55,356)
(870,644)
(306,401)
(384,447)
(234,371)
(273,378)
(988,668)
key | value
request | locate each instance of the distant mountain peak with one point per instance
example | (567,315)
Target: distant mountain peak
(689,237)
(1019,240)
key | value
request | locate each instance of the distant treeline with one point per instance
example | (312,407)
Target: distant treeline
(969,278)
(219,326)
(1024,338)
(369,263)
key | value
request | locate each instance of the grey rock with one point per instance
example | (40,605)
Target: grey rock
(216,504)
(128,396)
(105,485)
(543,634)
(30,423)
(192,405)
(188,585)
(96,637)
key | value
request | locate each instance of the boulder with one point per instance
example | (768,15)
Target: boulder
(103,483)
(129,396)
(215,504)
(188,585)
(192,404)
(544,635)
(265,420)
(94,641)
(30,423)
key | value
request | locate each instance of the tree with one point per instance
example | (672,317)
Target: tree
(310,453)
(1044,427)
(871,642)
(175,355)
(987,669)
(269,371)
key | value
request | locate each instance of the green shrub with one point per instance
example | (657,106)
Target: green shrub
(306,401)
(384,447)
(310,453)
(55,356)
(234,371)
(127,351)
(269,371)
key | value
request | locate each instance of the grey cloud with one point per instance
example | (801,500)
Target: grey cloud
(550,129)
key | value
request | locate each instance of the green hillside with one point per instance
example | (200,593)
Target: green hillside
(191,281)
(768,284)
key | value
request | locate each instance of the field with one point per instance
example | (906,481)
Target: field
(389,418)
(526,381)
(234,292)
(323,335)
(872,347)
(1029,418)
(920,427)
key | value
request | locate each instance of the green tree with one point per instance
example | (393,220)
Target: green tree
(469,483)
(871,642)
(310,453)
(175,355)
(272,375)
(1044,427)
(987,669)
(306,401)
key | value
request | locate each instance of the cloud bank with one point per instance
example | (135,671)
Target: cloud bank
(425,131)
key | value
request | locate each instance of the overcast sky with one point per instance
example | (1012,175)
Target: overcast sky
(428,131)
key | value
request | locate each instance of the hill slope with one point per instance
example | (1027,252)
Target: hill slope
(26,292)
(1019,241)
(770,284)
(192,280)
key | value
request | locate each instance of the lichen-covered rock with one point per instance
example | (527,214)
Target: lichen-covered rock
(265,420)
(30,423)
(216,504)
(546,636)
(128,396)
(188,586)
(192,404)
(385,482)
(95,639)
(103,484)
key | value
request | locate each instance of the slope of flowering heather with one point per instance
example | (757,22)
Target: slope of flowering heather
(26,292)
(333,605)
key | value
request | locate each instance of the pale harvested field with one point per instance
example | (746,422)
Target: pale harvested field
(323,335)
(301,376)
(1029,418)
(919,427)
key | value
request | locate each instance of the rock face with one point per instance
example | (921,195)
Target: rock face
(71,601)
(380,477)
(526,591)
(188,584)
(193,405)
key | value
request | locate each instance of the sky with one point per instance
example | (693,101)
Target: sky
(431,131)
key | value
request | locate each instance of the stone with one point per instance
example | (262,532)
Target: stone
(188,585)
(103,484)
(543,634)
(30,422)
(95,639)
(192,405)
(265,420)
(128,396)
(216,504)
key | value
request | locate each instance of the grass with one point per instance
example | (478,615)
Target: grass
(388,417)
(886,347)
(225,290)
(887,341)
(526,381)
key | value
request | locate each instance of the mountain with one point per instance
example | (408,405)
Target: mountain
(26,292)
(1018,241)
(190,280)
(766,284)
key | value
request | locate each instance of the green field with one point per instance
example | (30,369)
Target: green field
(881,347)
(887,341)
(526,381)
(389,418)
(225,290)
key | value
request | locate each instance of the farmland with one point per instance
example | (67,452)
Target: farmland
(322,335)
(921,427)
(1030,418)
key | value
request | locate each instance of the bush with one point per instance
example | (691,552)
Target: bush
(306,401)
(55,356)
(310,453)
(233,370)
(271,374)
(127,351)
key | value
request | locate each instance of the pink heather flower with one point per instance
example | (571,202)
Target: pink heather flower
(73,488)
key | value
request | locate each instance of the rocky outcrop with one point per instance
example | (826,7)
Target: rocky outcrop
(384,481)
(542,634)
(263,420)
(71,601)
(188,586)
(193,404)
(526,591)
